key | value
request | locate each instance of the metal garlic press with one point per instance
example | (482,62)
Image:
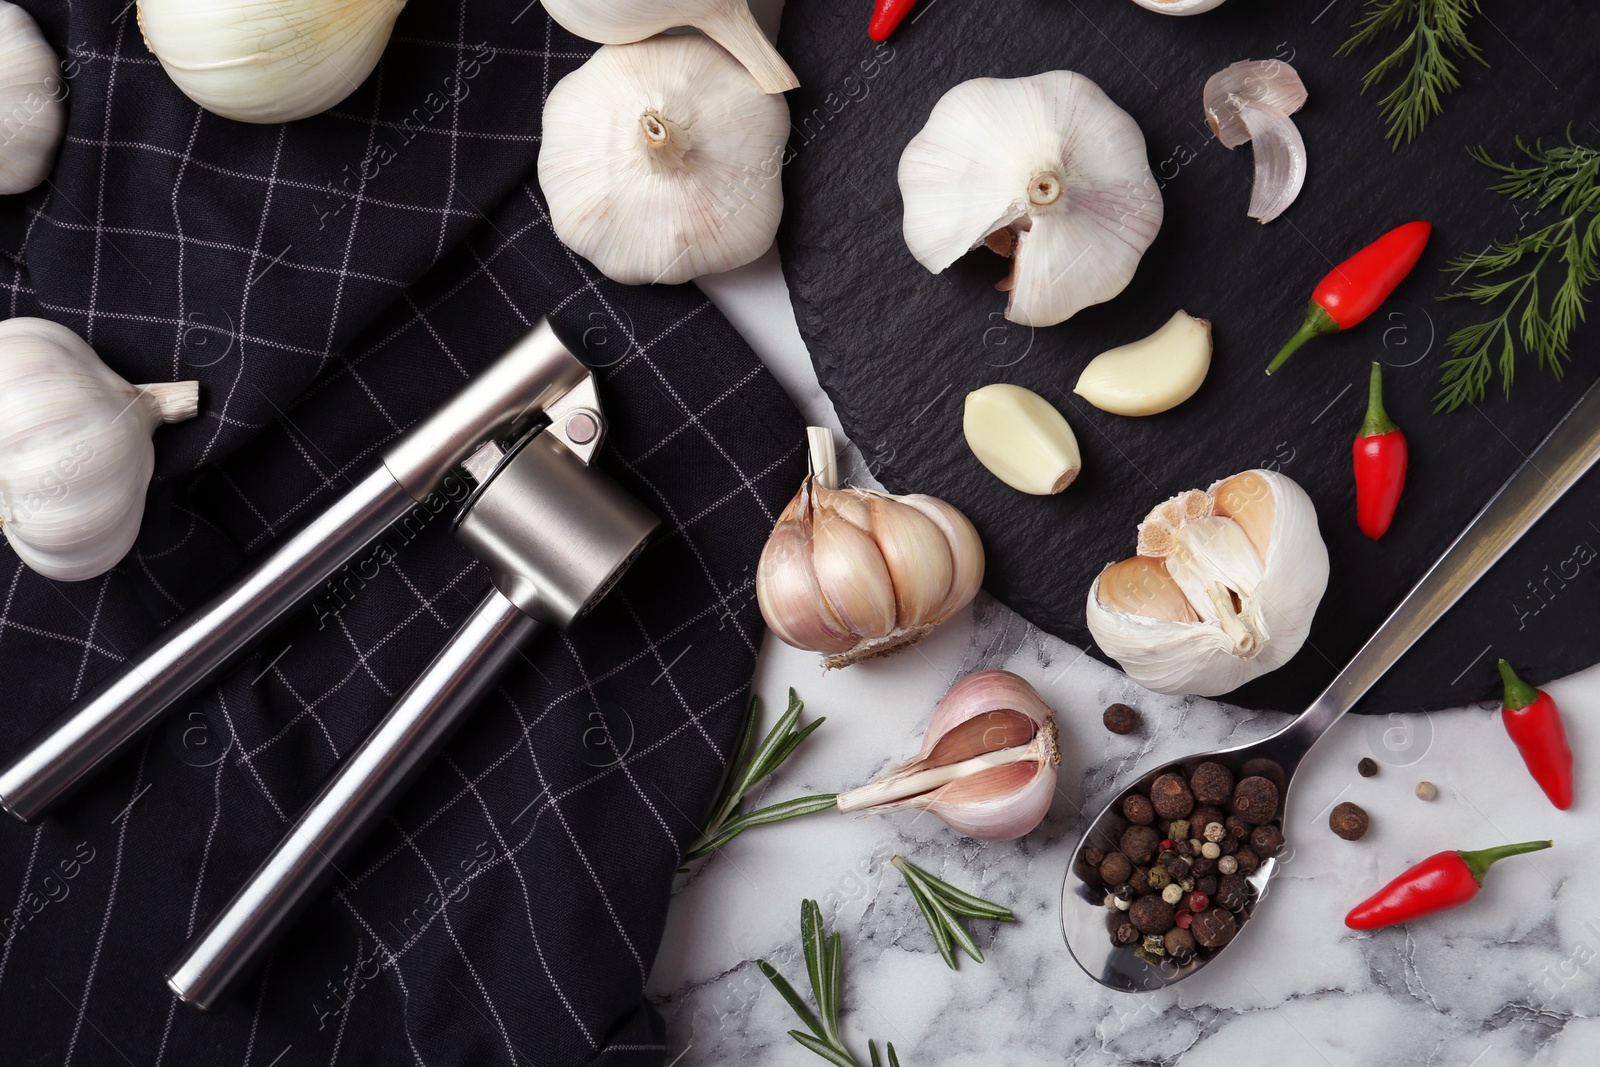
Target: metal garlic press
(555,533)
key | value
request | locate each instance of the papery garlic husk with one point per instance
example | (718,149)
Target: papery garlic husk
(661,161)
(1153,374)
(727,22)
(267,60)
(1179,7)
(1251,101)
(1222,591)
(1052,170)
(987,765)
(33,100)
(75,449)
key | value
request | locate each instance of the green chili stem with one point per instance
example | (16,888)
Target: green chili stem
(1318,323)
(1480,861)
(1378,421)
(1519,694)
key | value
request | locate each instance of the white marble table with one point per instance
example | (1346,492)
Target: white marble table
(1512,978)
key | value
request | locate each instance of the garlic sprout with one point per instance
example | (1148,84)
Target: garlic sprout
(75,449)
(1223,588)
(661,160)
(987,765)
(1046,170)
(33,99)
(267,60)
(727,22)
(1251,101)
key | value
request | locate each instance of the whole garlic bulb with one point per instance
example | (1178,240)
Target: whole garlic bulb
(987,765)
(1047,170)
(75,449)
(267,60)
(1223,588)
(857,574)
(32,99)
(661,160)
(1179,7)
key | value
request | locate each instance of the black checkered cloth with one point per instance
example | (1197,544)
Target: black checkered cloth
(329,282)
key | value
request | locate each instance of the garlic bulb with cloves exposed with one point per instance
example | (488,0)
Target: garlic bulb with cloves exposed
(857,574)
(1222,590)
(661,160)
(267,60)
(33,99)
(75,449)
(1044,169)
(987,766)
(1251,101)
(727,22)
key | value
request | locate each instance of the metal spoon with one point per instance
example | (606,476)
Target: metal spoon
(1570,450)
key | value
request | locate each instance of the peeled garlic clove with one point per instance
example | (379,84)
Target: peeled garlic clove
(1021,439)
(1179,7)
(32,99)
(1055,164)
(1153,375)
(75,449)
(660,161)
(267,60)
(1247,562)
(987,765)
(1251,101)
(727,22)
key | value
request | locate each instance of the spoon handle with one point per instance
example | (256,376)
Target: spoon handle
(1563,457)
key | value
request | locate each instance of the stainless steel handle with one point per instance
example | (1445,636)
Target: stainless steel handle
(485,643)
(1560,460)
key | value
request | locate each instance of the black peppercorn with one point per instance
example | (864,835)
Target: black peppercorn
(1233,892)
(1178,867)
(1138,809)
(1367,767)
(1348,820)
(1200,866)
(1125,934)
(1151,915)
(1255,800)
(1229,844)
(1171,797)
(1266,840)
(1214,927)
(1179,944)
(1139,844)
(1211,783)
(1121,719)
(1206,885)
(1183,848)
(1123,891)
(1247,860)
(1141,881)
(1115,868)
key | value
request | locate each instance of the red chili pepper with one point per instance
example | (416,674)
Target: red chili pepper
(1534,723)
(1443,880)
(886,15)
(1354,289)
(1380,463)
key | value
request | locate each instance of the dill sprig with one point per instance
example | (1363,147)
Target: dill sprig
(1434,31)
(941,904)
(1566,177)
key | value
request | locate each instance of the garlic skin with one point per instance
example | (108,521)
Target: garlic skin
(1222,591)
(1151,375)
(987,765)
(1052,162)
(33,99)
(727,22)
(1251,101)
(1021,439)
(267,60)
(661,160)
(75,449)
(1179,7)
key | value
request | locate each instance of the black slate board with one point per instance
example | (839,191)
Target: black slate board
(898,349)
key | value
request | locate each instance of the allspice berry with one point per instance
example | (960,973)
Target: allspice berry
(1179,944)
(1349,821)
(1247,860)
(1139,844)
(1255,800)
(1171,796)
(1126,934)
(1233,892)
(1367,767)
(1203,816)
(1138,809)
(1266,840)
(1237,827)
(1214,927)
(1121,719)
(1211,783)
(1151,915)
(1115,869)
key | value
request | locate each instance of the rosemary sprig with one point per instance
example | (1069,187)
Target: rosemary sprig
(1435,30)
(1568,178)
(727,822)
(824,966)
(941,903)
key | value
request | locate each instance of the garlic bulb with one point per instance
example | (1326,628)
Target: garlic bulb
(1021,439)
(1151,375)
(267,60)
(727,22)
(1222,591)
(33,99)
(75,449)
(1044,169)
(987,765)
(1251,101)
(661,161)
(856,574)
(1179,7)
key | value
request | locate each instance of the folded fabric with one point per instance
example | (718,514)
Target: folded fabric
(329,282)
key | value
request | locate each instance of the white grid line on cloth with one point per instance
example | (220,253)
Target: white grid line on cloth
(355,219)
(178,335)
(362,661)
(11,595)
(344,1016)
(22,252)
(627,771)
(427,325)
(666,668)
(71,639)
(94,624)
(255,1018)
(22,895)
(306,708)
(732,390)
(255,772)
(455,141)
(100,212)
(194,900)
(391,962)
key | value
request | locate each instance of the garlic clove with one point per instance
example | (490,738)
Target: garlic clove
(852,576)
(660,161)
(33,100)
(1141,586)
(1151,375)
(1021,439)
(790,599)
(966,551)
(916,554)
(267,60)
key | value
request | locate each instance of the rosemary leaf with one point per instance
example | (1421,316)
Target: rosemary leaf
(823,1049)
(894,1061)
(961,903)
(941,936)
(785,809)
(941,903)
(787,992)
(1432,32)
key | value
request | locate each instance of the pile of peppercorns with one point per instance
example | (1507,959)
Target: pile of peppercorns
(1175,882)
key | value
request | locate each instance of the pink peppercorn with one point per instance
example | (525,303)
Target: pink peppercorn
(1183,919)
(1198,901)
